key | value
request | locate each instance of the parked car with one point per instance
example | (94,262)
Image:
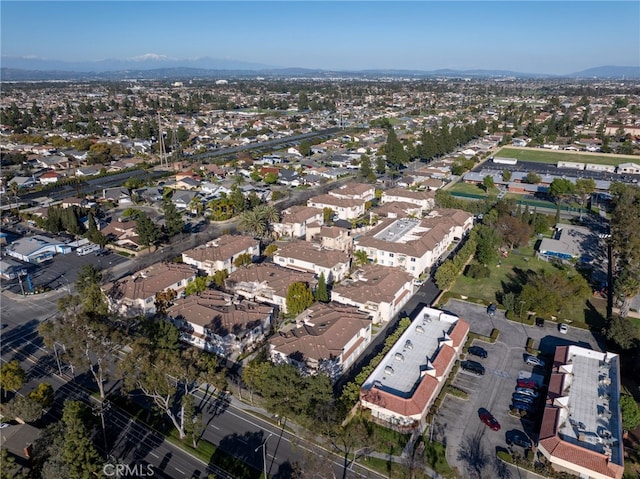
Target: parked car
(534,361)
(540,322)
(527,392)
(523,398)
(490,421)
(522,406)
(527,383)
(563,328)
(473,367)
(3,425)
(491,310)
(478,351)
(520,439)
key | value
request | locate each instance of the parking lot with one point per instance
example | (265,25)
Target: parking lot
(458,419)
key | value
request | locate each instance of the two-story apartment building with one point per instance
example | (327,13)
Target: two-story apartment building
(331,237)
(377,290)
(267,282)
(217,323)
(135,294)
(426,200)
(414,245)
(343,208)
(355,191)
(313,258)
(295,221)
(219,254)
(325,338)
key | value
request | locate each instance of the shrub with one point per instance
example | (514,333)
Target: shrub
(505,456)
(495,333)
(477,271)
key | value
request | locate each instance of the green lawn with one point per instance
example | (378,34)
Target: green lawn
(486,290)
(539,155)
(467,188)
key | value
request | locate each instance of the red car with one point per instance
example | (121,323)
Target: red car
(490,421)
(527,383)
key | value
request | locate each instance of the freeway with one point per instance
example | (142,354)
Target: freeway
(269,145)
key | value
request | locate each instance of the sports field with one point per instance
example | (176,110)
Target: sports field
(539,155)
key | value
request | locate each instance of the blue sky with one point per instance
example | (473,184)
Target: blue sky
(534,37)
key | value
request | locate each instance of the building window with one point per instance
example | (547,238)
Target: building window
(413,260)
(179,283)
(149,300)
(390,255)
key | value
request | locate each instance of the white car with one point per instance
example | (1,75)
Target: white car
(563,328)
(533,361)
(3,425)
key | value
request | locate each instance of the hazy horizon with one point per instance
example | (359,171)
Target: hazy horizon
(529,37)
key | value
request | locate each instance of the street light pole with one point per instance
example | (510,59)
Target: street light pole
(264,454)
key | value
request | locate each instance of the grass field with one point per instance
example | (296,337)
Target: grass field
(538,155)
(523,259)
(467,188)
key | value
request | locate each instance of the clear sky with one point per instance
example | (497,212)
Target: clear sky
(532,37)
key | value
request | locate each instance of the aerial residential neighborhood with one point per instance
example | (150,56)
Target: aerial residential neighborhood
(225,269)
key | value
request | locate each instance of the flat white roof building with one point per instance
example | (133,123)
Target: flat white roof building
(581,431)
(405,384)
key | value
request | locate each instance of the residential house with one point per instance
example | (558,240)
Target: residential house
(426,200)
(331,237)
(377,290)
(295,220)
(182,198)
(119,195)
(414,245)
(355,191)
(402,388)
(49,177)
(343,208)
(267,282)
(123,234)
(219,254)
(289,178)
(218,323)
(581,429)
(304,256)
(71,201)
(23,181)
(135,294)
(87,171)
(53,162)
(325,338)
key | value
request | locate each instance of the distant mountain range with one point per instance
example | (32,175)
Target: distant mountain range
(153,66)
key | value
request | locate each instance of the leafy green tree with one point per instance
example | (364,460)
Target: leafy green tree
(394,151)
(12,376)
(43,395)
(24,408)
(322,294)
(381,166)
(488,183)
(487,243)
(146,231)
(257,222)
(78,452)
(622,332)
(515,232)
(506,175)
(270,178)
(583,188)
(630,412)
(360,257)
(299,298)
(446,275)
(193,426)
(532,178)
(241,260)
(89,342)
(219,277)
(172,218)
(327,215)
(198,285)
(252,375)
(87,285)
(270,250)
(366,171)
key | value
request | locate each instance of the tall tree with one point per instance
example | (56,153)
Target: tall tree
(322,294)
(299,298)
(584,187)
(12,376)
(488,183)
(146,231)
(172,218)
(87,285)
(78,453)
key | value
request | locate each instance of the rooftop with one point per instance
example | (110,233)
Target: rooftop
(591,418)
(413,354)
(398,231)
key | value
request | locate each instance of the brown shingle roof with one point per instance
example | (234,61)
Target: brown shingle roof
(299,214)
(222,248)
(276,278)
(305,251)
(156,278)
(378,284)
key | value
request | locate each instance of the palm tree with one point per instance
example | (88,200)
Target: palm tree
(360,257)
(13,187)
(253,223)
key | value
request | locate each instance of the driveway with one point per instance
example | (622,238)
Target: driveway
(457,422)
